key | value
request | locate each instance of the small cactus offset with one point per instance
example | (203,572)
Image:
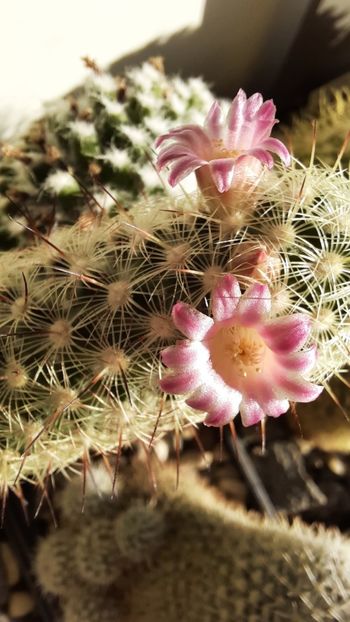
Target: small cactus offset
(201,559)
(100,137)
(323,123)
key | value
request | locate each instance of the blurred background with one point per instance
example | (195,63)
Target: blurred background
(284,49)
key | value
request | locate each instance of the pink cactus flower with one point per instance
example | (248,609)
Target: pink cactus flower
(230,150)
(240,360)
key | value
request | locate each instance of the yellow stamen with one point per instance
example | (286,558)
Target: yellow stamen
(237,353)
(220,151)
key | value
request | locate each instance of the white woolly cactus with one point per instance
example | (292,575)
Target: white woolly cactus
(103,135)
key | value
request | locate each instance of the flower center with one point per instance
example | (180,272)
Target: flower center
(237,353)
(220,151)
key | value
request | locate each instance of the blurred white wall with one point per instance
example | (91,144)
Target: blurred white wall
(231,43)
(42,41)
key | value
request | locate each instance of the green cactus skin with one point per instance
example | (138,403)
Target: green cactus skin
(220,563)
(103,135)
(329,109)
(84,315)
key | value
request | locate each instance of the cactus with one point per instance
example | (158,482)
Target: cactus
(94,494)
(54,562)
(329,108)
(84,315)
(139,531)
(218,561)
(94,606)
(96,560)
(100,137)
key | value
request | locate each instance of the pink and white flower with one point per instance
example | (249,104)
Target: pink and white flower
(240,360)
(231,150)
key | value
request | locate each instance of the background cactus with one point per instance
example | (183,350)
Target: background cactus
(54,561)
(96,606)
(217,561)
(84,315)
(102,135)
(139,531)
(327,426)
(95,544)
(329,107)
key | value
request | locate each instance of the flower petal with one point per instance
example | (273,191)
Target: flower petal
(204,398)
(182,381)
(183,167)
(191,135)
(192,323)
(251,412)
(212,394)
(299,390)
(172,152)
(286,334)
(254,305)
(264,122)
(262,131)
(276,146)
(267,111)
(275,408)
(262,155)
(253,105)
(222,172)
(235,116)
(220,416)
(225,298)
(212,122)
(301,362)
(185,353)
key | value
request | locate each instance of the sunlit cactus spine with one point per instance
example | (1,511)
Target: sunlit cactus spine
(200,558)
(85,314)
(322,124)
(100,136)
